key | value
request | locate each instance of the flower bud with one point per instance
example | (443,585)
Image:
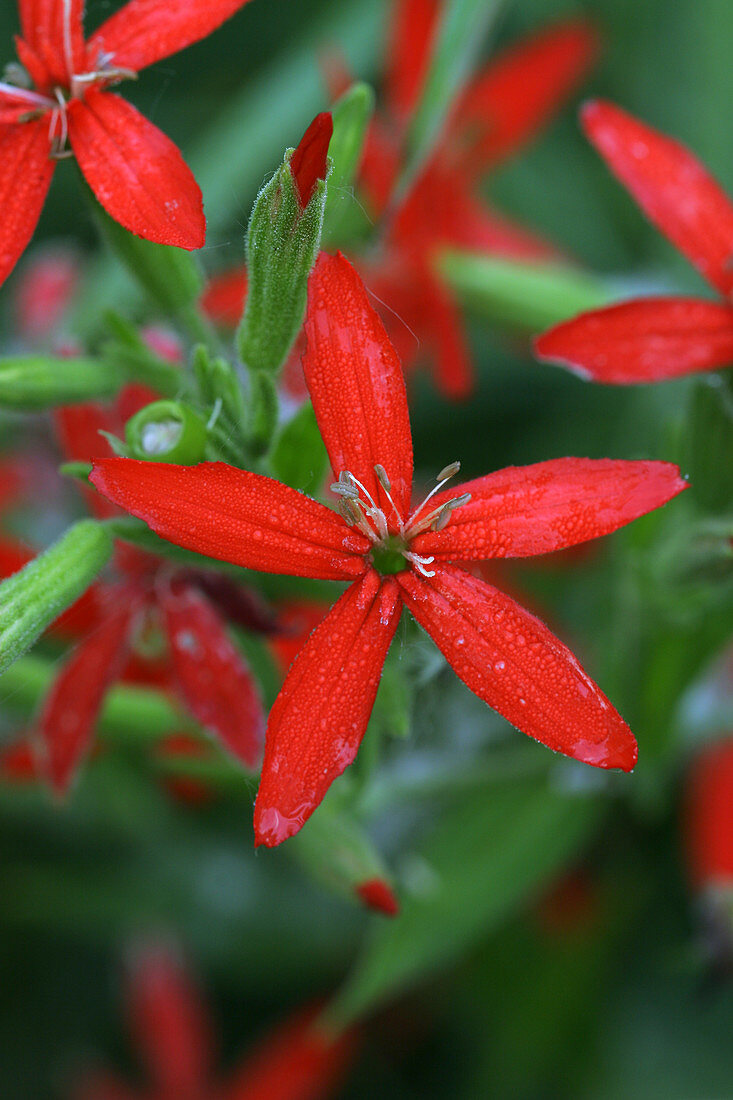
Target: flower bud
(35,595)
(166,431)
(32,382)
(339,853)
(283,238)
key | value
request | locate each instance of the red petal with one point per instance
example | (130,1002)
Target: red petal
(224,297)
(309,161)
(520,91)
(710,817)
(642,341)
(355,382)
(526,510)
(236,516)
(516,665)
(136,172)
(70,710)
(213,678)
(319,717)
(378,894)
(675,191)
(412,34)
(453,368)
(295,1062)
(25,175)
(145,31)
(169,1023)
(53,29)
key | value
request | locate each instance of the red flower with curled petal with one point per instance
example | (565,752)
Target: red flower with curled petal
(299,1060)
(197,659)
(501,109)
(136,172)
(395,554)
(652,339)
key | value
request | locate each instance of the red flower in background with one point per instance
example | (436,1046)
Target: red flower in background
(136,172)
(199,660)
(393,555)
(173,1035)
(501,109)
(710,818)
(652,339)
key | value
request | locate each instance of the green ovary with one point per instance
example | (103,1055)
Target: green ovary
(388,557)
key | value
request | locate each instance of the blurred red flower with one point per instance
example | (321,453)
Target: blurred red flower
(173,1036)
(652,339)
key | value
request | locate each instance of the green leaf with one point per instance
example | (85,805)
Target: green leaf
(529,296)
(351,116)
(487,855)
(35,595)
(33,382)
(299,457)
(460,37)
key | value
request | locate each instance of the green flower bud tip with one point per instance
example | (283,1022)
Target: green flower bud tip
(166,431)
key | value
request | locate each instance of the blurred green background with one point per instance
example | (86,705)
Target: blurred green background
(610,994)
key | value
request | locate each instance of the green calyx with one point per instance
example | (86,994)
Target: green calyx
(166,431)
(388,557)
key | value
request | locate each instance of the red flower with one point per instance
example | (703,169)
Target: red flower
(710,818)
(135,171)
(201,663)
(502,108)
(393,554)
(651,339)
(173,1034)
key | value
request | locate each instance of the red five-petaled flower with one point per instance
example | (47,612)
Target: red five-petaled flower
(395,554)
(651,339)
(173,1035)
(135,171)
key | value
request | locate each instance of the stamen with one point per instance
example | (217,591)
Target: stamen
(445,474)
(386,484)
(382,478)
(343,489)
(378,516)
(420,562)
(25,95)
(449,471)
(349,512)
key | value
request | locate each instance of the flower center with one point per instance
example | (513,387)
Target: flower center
(17,86)
(390,553)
